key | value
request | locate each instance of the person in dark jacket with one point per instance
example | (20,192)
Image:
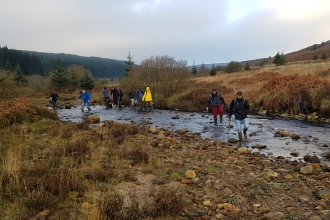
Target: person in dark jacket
(240,107)
(53,99)
(114,93)
(120,97)
(217,101)
(131,95)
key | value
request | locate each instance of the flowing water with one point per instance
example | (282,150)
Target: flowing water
(314,139)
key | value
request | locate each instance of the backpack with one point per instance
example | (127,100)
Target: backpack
(218,97)
(210,105)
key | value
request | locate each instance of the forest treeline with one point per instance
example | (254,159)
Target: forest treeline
(42,63)
(11,59)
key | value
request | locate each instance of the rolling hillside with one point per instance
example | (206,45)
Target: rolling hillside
(99,67)
(300,55)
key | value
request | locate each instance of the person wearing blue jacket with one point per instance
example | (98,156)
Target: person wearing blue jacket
(86,98)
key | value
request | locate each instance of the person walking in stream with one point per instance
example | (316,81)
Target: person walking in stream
(86,98)
(217,103)
(106,99)
(53,98)
(240,107)
(147,99)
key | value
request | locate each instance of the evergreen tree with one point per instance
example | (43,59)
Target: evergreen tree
(323,56)
(87,82)
(129,63)
(247,66)
(279,59)
(193,69)
(315,57)
(213,71)
(8,66)
(19,77)
(59,76)
(29,64)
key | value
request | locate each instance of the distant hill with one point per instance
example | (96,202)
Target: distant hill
(99,67)
(300,55)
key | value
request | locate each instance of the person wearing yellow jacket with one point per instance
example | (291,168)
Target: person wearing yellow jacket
(147,99)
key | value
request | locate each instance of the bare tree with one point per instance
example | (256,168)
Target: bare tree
(163,74)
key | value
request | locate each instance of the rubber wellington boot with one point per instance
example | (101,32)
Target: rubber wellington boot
(240,136)
(245,134)
(215,121)
(220,118)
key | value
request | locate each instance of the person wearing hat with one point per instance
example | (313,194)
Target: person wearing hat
(218,102)
(86,98)
(147,99)
(240,107)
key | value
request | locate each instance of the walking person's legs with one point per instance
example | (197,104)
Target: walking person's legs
(246,127)
(215,114)
(82,106)
(221,112)
(239,129)
(151,106)
(106,101)
(147,105)
(115,100)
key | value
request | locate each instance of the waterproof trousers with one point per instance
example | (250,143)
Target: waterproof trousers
(216,110)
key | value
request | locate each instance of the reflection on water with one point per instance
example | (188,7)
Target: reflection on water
(314,139)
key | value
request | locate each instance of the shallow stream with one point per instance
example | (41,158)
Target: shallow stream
(314,139)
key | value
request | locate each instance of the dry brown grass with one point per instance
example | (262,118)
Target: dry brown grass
(298,88)
(22,110)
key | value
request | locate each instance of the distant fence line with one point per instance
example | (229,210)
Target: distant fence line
(316,63)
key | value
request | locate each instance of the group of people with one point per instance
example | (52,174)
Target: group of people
(239,107)
(137,97)
(141,99)
(117,95)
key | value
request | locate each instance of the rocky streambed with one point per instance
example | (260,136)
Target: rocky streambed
(268,176)
(290,139)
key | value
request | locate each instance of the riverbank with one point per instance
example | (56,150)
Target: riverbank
(137,169)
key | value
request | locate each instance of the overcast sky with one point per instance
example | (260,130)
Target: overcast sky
(200,31)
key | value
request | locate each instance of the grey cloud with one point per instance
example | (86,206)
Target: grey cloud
(191,30)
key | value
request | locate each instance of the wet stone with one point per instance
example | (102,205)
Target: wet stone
(260,146)
(253,134)
(192,215)
(323,194)
(311,159)
(202,212)
(295,136)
